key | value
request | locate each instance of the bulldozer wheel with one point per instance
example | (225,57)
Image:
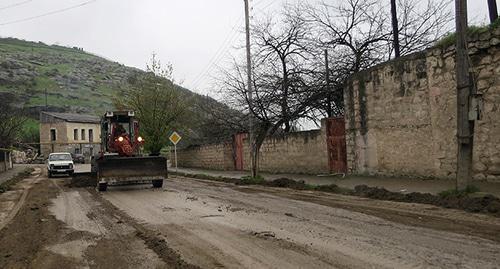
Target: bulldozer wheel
(103,186)
(157,183)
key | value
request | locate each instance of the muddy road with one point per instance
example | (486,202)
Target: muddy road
(196,223)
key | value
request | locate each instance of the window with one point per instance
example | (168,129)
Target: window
(53,135)
(83,134)
(91,135)
(60,157)
(75,134)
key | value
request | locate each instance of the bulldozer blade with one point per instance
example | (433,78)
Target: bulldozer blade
(122,170)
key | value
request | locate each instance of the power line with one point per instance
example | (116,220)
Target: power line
(15,4)
(218,54)
(221,52)
(48,13)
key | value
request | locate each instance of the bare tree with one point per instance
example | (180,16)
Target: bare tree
(356,30)
(282,55)
(267,104)
(359,34)
(421,25)
(11,121)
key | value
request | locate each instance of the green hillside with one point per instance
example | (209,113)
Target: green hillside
(72,80)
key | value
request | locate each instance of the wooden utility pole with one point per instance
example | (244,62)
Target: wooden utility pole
(328,91)
(465,89)
(395,29)
(253,157)
(46,103)
(493,11)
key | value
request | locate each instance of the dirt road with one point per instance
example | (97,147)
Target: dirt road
(215,225)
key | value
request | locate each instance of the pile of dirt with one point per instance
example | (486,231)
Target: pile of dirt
(23,240)
(159,245)
(485,204)
(80,180)
(287,183)
(7,185)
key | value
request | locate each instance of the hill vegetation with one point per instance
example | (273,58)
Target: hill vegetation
(56,78)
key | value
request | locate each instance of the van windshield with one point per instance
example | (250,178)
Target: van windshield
(60,157)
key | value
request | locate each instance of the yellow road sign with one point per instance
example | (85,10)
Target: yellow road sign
(175,138)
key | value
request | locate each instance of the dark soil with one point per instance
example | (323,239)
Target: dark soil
(487,204)
(287,183)
(7,185)
(23,240)
(153,240)
(79,180)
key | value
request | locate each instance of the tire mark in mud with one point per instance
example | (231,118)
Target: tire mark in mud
(35,175)
(151,238)
(23,241)
(393,211)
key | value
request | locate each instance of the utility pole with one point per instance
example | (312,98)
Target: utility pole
(395,29)
(465,89)
(493,11)
(46,103)
(253,157)
(328,91)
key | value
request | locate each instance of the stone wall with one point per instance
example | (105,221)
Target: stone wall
(401,115)
(213,156)
(299,152)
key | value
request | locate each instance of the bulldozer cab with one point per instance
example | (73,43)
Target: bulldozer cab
(119,124)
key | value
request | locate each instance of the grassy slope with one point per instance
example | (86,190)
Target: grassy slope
(75,81)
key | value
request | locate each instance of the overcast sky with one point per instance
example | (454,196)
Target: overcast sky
(191,34)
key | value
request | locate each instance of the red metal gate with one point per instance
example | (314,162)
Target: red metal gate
(238,151)
(336,144)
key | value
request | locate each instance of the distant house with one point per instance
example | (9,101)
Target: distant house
(66,132)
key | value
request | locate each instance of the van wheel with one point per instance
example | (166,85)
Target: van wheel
(102,186)
(157,183)
(50,174)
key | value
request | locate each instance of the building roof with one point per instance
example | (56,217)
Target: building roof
(70,117)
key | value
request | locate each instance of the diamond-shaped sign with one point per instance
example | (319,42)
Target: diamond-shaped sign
(175,138)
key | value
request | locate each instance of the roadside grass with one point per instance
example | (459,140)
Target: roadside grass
(450,39)
(470,189)
(7,185)
(462,200)
(248,180)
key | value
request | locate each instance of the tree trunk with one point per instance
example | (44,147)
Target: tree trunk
(259,140)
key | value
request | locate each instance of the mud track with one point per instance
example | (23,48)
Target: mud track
(197,223)
(58,227)
(215,224)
